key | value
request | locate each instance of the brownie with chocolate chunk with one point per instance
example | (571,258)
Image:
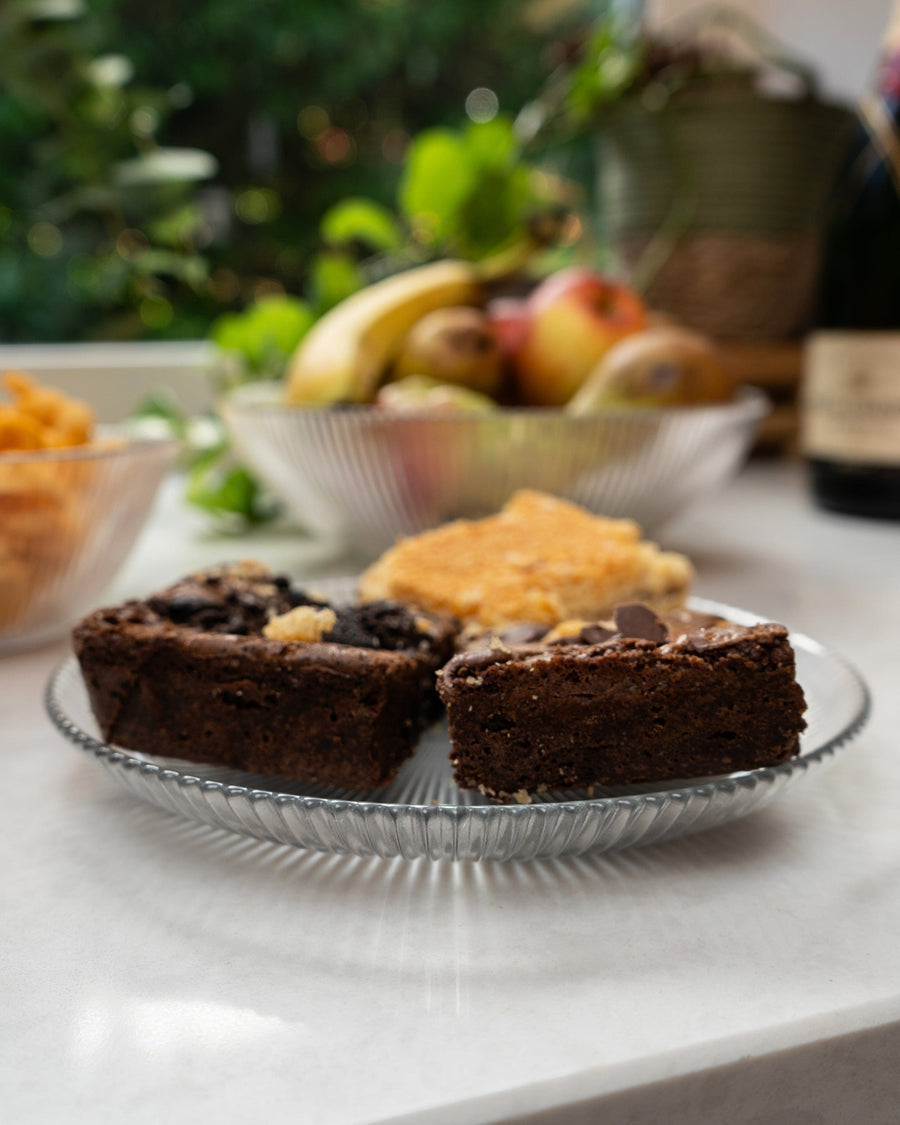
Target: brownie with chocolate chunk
(638,699)
(236,667)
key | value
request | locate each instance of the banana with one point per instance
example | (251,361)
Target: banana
(345,354)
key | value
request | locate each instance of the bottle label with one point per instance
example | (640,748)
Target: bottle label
(851,397)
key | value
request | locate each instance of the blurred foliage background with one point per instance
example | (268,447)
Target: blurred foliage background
(164,164)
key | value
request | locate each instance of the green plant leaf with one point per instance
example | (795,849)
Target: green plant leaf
(229,490)
(150,263)
(178,227)
(438,177)
(162,407)
(470,192)
(266,333)
(361,220)
(495,211)
(492,144)
(611,64)
(333,276)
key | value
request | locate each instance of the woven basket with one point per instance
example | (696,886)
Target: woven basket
(716,204)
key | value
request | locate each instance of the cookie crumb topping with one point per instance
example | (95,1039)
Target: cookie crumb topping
(305,623)
(565,630)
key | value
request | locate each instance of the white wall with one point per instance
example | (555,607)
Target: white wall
(839,37)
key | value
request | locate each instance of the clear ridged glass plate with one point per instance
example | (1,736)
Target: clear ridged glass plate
(422,813)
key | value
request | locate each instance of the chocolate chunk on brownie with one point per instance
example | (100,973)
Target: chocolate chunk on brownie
(236,667)
(649,701)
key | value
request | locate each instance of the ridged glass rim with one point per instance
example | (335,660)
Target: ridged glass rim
(131,446)
(625,797)
(263,397)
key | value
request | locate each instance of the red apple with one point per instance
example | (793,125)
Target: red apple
(574,318)
(509,319)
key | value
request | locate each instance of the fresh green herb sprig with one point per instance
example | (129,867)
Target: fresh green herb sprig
(215,481)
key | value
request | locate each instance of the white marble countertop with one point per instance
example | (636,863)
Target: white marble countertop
(154,970)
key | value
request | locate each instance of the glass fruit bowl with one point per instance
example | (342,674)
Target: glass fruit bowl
(362,476)
(68,518)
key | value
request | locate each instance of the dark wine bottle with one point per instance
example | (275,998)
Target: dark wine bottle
(851,382)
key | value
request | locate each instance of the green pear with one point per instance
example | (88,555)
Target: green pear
(659,367)
(418,393)
(453,345)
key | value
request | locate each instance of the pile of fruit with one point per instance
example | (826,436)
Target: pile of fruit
(433,339)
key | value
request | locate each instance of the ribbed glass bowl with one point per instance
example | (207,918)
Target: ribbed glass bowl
(68,518)
(423,813)
(363,476)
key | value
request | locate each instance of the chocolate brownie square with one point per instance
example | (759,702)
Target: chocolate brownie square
(235,667)
(640,701)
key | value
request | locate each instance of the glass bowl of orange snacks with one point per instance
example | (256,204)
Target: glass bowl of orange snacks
(72,502)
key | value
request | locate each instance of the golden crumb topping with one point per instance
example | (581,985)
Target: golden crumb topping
(305,623)
(540,560)
(571,628)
